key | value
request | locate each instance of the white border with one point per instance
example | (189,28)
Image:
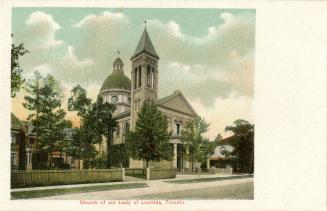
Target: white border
(290,105)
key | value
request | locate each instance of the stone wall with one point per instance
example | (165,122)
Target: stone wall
(158,173)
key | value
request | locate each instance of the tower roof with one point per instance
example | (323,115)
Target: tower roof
(145,45)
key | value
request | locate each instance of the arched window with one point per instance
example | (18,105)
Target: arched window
(127,127)
(153,79)
(135,78)
(140,77)
(148,76)
(117,130)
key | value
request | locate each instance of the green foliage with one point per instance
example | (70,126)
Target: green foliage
(243,145)
(17,80)
(96,121)
(47,117)
(193,138)
(150,139)
(119,156)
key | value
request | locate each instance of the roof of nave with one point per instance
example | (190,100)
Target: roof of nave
(123,114)
(177,102)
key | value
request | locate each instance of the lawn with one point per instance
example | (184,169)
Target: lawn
(237,191)
(62,191)
(208,179)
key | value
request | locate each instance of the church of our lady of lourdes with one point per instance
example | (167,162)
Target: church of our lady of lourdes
(129,95)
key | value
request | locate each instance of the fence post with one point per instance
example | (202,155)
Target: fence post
(123,174)
(148,173)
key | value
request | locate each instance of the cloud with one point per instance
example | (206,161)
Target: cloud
(104,18)
(236,33)
(224,112)
(42,28)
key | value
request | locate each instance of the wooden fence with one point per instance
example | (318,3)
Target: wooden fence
(63,177)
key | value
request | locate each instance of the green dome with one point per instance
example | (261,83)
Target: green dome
(116,80)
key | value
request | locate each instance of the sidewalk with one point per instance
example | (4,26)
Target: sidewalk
(128,179)
(155,187)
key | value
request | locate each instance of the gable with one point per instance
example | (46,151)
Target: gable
(177,102)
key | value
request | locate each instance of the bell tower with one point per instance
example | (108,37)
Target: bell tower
(144,74)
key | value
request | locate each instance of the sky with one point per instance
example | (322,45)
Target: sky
(207,54)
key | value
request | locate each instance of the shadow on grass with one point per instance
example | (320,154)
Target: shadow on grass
(208,179)
(62,191)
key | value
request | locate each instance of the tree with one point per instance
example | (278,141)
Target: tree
(150,139)
(96,121)
(243,144)
(16,71)
(106,123)
(47,117)
(199,147)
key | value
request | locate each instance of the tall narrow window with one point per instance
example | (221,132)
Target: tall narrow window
(178,127)
(148,76)
(135,78)
(140,77)
(153,79)
(117,130)
(126,127)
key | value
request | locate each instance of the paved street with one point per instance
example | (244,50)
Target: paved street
(155,187)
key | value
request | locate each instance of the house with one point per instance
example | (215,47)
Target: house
(218,159)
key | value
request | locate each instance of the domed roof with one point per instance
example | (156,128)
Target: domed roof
(116,80)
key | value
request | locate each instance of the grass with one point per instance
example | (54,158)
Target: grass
(207,179)
(62,191)
(237,191)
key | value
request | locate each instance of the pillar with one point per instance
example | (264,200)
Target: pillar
(187,163)
(175,156)
(208,163)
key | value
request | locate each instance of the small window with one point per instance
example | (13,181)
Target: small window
(117,130)
(127,127)
(177,129)
(13,139)
(13,159)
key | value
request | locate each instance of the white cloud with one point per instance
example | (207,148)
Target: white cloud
(104,18)
(224,112)
(42,28)
(71,62)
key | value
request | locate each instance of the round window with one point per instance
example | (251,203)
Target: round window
(114,99)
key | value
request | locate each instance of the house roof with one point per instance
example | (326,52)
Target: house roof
(145,45)
(226,141)
(123,114)
(15,122)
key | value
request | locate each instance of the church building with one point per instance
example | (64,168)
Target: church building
(129,94)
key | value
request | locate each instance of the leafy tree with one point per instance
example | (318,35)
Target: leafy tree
(96,122)
(16,71)
(150,139)
(44,102)
(106,123)
(192,136)
(243,145)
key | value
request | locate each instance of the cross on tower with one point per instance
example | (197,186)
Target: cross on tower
(144,24)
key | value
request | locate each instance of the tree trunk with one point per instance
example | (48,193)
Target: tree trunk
(147,163)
